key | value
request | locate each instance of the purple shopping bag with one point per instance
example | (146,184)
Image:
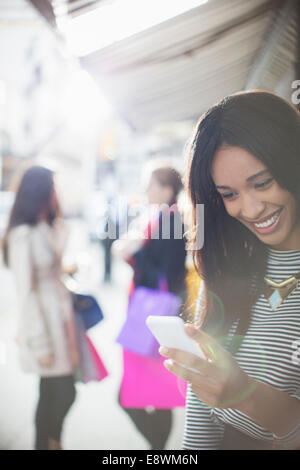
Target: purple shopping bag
(135,335)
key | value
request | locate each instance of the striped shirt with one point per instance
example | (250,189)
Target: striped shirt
(270,353)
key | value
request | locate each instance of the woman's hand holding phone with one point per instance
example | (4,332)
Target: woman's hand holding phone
(219,381)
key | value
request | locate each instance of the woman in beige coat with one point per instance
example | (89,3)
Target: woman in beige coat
(34,246)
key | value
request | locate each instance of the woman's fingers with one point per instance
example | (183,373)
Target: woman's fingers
(190,360)
(212,349)
(181,371)
(202,386)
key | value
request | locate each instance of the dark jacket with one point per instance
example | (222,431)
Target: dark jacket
(162,258)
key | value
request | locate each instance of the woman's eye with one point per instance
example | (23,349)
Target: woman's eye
(264,183)
(227,195)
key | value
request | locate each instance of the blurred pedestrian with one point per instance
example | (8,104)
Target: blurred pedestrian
(147,391)
(110,187)
(115,218)
(33,249)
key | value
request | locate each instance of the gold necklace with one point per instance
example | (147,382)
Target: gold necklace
(277,292)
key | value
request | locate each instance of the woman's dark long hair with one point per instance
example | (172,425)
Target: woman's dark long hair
(232,261)
(33,197)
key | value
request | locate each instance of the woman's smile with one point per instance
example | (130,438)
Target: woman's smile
(267,224)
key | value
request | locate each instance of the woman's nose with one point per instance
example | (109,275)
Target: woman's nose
(251,207)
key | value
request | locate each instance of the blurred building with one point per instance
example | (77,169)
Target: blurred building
(90,89)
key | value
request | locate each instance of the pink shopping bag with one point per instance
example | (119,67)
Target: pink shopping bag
(146,382)
(100,372)
(91,367)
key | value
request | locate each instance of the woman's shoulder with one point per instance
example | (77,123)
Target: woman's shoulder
(28,233)
(18,241)
(26,229)
(20,232)
(57,226)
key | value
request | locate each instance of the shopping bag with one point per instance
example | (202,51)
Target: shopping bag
(85,305)
(146,382)
(91,366)
(135,336)
(88,308)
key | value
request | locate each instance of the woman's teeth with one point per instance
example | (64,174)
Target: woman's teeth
(268,222)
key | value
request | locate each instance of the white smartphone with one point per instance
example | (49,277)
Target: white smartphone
(169,332)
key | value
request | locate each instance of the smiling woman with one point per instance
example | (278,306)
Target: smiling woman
(245,169)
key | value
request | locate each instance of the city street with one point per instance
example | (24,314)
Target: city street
(174,128)
(95,421)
